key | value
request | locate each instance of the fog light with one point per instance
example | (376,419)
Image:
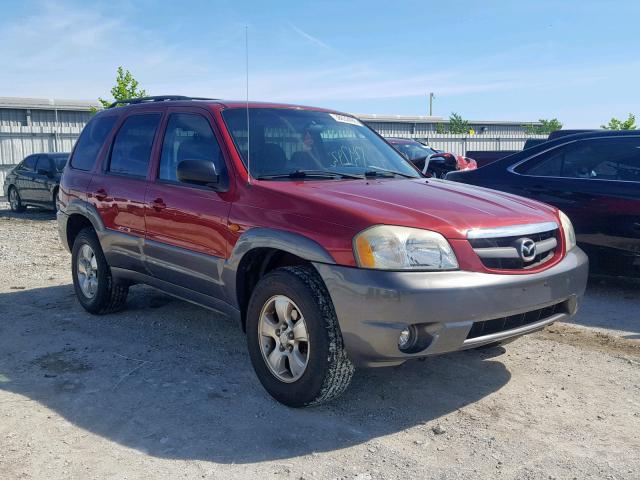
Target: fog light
(404,340)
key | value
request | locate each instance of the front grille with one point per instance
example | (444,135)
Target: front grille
(501,253)
(487,327)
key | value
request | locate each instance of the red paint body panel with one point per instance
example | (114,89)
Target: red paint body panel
(191,218)
(120,201)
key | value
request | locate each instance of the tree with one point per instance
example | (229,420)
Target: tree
(545,127)
(615,124)
(457,124)
(126,87)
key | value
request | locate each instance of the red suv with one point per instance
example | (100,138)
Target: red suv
(328,247)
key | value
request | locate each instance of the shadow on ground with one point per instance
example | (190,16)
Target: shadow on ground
(172,380)
(31,213)
(612,303)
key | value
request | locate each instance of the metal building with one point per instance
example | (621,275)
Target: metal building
(33,125)
(485,134)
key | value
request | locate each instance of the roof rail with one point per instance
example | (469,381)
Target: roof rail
(158,98)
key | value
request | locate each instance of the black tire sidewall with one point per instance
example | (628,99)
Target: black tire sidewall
(102,296)
(308,387)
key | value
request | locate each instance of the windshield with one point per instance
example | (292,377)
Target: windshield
(60,161)
(414,150)
(285,142)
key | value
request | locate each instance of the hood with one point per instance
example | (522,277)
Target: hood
(449,208)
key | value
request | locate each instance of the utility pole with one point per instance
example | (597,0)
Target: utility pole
(431,97)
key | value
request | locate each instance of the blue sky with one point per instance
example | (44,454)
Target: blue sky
(494,60)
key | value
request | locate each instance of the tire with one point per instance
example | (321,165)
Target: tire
(55,200)
(100,294)
(328,370)
(16,205)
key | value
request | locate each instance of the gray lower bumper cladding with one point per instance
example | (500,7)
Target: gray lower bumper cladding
(448,311)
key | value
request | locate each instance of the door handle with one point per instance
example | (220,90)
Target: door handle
(100,194)
(158,204)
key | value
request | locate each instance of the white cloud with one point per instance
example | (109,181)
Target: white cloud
(309,37)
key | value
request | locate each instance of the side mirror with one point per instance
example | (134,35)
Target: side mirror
(198,172)
(46,173)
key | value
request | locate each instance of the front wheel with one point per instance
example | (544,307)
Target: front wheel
(294,339)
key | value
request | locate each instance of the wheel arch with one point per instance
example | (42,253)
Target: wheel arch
(261,250)
(80,214)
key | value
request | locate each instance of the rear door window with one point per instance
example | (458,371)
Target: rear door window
(131,149)
(613,158)
(90,142)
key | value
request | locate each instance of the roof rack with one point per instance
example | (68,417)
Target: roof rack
(158,98)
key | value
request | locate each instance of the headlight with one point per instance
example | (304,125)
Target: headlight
(569,234)
(388,247)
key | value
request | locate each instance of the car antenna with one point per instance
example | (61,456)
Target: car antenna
(246,54)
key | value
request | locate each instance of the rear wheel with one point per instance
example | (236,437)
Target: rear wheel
(294,340)
(15,202)
(95,288)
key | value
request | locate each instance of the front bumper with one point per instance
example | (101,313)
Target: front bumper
(373,306)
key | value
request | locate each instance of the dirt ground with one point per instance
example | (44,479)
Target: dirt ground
(166,390)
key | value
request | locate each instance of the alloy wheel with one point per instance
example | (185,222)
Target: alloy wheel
(284,340)
(87,271)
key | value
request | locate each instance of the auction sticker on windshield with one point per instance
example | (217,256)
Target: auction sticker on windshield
(345,119)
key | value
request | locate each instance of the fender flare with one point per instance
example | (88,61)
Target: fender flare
(81,207)
(260,237)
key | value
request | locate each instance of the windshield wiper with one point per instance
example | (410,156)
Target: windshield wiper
(380,172)
(309,173)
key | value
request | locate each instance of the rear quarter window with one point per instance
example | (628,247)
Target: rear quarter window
(132,145)
(90,142)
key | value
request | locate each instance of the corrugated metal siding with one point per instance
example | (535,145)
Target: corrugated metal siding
(18,142)
(460,144)
(419,129)
(47,118)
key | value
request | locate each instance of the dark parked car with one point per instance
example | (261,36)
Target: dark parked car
(485,157)
(439,163)
(35,181)
(594,177)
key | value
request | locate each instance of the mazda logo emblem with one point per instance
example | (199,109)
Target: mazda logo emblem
(526,249)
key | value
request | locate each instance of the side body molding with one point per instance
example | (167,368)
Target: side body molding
(259,237)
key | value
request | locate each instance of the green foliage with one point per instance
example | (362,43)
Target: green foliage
(545,128)
(457,124)
(615,124)
(126,87)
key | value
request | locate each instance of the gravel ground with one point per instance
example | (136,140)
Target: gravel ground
(165,390)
